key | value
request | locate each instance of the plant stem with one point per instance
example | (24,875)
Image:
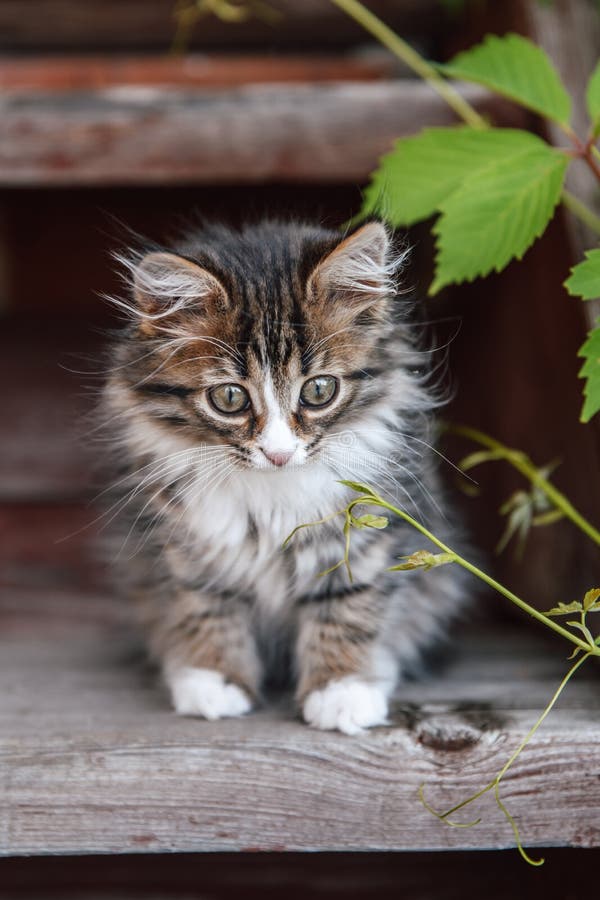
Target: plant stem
(546,711)
(463,109)
(495,783)
(479,573)
(580,210)
(516,753)
(524,465)
(412,59)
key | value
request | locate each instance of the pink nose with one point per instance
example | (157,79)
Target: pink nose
(280,458)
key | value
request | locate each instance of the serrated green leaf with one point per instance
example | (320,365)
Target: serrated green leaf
(565,609)
(516,68)
(368,520)
(421,171)
(584,280)
(592,97)
(590,370)
(496,215)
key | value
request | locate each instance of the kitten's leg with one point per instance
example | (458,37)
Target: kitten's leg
(345,674)
(209,655)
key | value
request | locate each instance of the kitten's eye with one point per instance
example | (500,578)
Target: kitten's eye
(229,398)
(319,391)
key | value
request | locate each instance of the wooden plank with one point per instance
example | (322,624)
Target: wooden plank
(222,70)
(256,133)
(150,24)
(92,760)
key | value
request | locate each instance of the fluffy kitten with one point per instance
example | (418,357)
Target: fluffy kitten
(258,369)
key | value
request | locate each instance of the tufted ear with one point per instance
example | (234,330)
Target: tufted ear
(358,273)
(165,284)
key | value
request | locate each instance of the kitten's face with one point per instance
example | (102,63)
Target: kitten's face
(270,351)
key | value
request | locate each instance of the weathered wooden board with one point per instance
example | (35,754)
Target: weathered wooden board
(92,760)
(216,70)
(150,23)
(130,135)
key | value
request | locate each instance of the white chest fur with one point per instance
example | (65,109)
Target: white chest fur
(241,525)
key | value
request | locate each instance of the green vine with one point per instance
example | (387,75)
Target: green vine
(521,462)
(580,638)
(406,54)
(463,109)
(494,190)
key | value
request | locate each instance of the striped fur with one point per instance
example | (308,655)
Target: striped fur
(206,501)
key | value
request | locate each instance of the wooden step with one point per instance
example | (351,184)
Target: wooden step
(92,760)
(110,122)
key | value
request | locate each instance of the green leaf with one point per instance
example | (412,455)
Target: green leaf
(516,68)
(370,521)
(584,280)
(497,214)
(590,370)
(590,601)
(583,629)
(422,171)
(519,510)
(592,97)
(565,609)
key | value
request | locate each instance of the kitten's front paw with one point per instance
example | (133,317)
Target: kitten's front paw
(348,705)
(204,692)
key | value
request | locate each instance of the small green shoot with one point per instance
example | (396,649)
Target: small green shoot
(587,644)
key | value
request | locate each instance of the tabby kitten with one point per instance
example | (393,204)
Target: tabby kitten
(258,369)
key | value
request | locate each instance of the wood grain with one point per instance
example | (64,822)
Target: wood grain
(92,760)
(131,135)
(222,70)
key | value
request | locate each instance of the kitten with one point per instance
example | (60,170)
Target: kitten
(258,369)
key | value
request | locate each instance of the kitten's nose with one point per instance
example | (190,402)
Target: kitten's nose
(280,458)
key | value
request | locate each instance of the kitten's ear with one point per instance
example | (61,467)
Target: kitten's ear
(164,284)
(358,272)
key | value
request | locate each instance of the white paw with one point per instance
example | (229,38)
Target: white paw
(204,692)
(348,705)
